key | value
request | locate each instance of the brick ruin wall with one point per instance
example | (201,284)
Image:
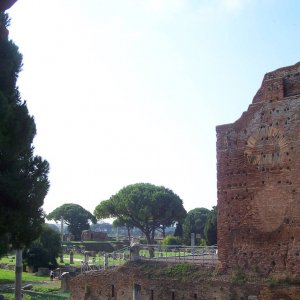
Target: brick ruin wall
(258,180)
(120,283)
(89,235)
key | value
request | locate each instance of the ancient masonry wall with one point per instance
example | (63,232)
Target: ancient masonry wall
(258,174)
(131,283)
(128,283)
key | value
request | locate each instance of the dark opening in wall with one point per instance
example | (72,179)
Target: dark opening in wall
(173,295)
(195,296)
(112,290)
(152,295)
(137,292)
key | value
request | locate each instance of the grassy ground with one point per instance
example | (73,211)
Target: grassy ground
(10,259)
(8,276)
(41,284)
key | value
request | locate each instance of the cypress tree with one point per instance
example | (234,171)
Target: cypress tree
(23,175)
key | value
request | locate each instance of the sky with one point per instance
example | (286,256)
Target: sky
(129,91)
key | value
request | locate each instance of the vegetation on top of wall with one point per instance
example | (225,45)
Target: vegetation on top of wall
(183,271)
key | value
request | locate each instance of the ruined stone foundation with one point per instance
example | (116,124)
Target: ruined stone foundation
(161,281)
(258,166)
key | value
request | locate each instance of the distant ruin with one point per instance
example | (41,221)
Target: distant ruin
(89,235)
(258,166)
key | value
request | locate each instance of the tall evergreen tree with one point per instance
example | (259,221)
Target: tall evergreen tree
(23,175)
(210,229)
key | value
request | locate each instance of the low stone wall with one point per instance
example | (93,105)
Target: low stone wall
(141,280)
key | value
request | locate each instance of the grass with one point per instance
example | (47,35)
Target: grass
(41,284)
(8,276)
(12,296)
(88,242)
(183,271)
(10,260)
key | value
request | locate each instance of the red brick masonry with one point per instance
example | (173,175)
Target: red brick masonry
(258,166)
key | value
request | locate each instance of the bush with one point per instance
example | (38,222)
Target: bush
(171,240)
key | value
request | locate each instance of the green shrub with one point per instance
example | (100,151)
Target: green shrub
(171,240)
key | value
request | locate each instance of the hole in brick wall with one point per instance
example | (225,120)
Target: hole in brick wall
(278,181)
(287,153)
(263,182)
(112,290)
(195,296)
(173,295)
(152,295)
(277,123)
(292,238)
(273,263)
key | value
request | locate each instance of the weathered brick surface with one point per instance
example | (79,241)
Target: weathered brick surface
(118,284)
(258,170)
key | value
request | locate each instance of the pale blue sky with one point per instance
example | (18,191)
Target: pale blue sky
(127,91)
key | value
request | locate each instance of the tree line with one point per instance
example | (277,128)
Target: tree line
(150,209)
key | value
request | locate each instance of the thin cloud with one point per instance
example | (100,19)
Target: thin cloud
(165,6)
(234,5)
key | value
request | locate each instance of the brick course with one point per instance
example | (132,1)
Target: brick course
(201,284)
(258,180)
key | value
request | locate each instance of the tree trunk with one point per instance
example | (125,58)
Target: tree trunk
(150,242)
(164,231)
(18,273)
(129,235)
